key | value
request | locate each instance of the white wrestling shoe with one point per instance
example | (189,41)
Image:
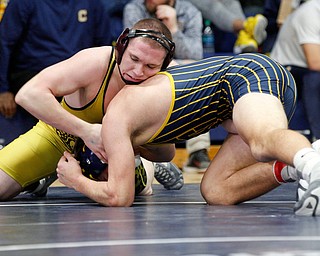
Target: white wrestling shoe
(308,194)
(308,199)
(302,188)
(308,202)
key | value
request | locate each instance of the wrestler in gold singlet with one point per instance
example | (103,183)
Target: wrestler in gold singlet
(35,154)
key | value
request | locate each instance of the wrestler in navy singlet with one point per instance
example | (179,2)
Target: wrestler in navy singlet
(206,91)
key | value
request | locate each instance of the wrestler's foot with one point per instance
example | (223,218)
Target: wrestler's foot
(308,204)
(40,188)
(169,175)
(302,188)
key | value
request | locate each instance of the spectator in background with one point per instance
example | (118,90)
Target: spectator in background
(34,35)
(182,18)
(185,24)
(228,15)
(298,48)
(276,12)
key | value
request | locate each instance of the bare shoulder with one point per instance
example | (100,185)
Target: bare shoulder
(157,86)
(85,69)
(102,50)
(143,109)
(94,54)
(147,105)
(91,63)
(158,80)
(152,96)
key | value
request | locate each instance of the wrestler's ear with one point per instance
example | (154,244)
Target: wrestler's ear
(121,44)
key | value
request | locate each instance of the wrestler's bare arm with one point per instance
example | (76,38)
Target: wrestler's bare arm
(132,117)
(141,108)
(107,193)
(70,77)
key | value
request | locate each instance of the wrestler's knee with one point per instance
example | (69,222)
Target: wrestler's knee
(257,151)
(262,145)
(216,193)
(9,188)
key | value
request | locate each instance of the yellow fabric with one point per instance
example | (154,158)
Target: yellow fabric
(35,154)
(3,5)
(32,156)
(93,112)
(245,43)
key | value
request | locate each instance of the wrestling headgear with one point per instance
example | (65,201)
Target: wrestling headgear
(90,164)
(123,40)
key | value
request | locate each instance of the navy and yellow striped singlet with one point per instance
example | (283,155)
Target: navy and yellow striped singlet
(206,91)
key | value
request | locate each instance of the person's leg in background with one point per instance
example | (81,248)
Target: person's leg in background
(197,149)
(308,87)
(310,97)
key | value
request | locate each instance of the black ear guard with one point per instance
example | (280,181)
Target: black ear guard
(123,40)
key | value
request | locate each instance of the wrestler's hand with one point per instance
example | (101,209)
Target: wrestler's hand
(8,106)
(68,170)
(93,141)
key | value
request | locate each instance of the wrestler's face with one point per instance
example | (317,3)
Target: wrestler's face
(151,5)
(141,60)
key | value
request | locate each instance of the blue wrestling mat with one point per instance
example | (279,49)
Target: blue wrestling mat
(167,223)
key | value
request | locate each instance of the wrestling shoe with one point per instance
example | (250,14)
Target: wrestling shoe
(198,162)
(256,27)
(40,188)
(302,188)
(245,43)
(168,175)
(308,204)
